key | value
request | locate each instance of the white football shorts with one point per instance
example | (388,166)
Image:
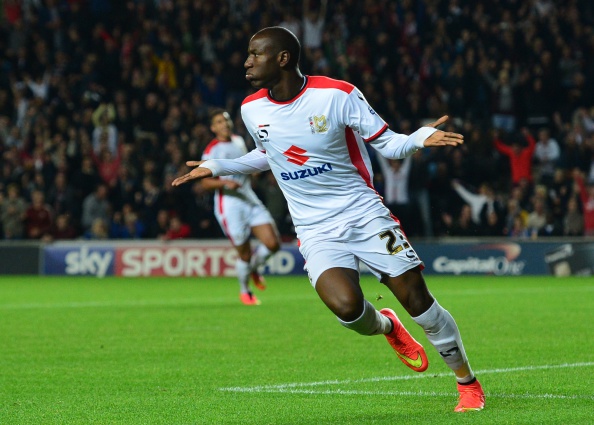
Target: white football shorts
(238,218)
(379,244)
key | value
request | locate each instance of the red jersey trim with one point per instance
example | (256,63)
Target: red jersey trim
(376,135)
(320,82)
(210,146)
(258,95)
(356,157)
(313,82)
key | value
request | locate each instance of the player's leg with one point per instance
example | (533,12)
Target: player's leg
(234,223)
(340,290)
(441,330)
(264,229)
(269,244)
(243,270)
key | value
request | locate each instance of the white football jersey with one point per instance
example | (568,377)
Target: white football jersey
(315,145)
(232,149)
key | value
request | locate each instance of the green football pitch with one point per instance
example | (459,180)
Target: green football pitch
(185,351)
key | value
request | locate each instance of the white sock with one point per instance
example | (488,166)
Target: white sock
(259,257)
(371,321)
(443,333)
(243,275)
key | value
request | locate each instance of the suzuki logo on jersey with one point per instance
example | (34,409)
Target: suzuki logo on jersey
(296,155)
(308,172)
(318,124)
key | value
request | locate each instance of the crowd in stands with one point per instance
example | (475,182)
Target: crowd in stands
(102,101)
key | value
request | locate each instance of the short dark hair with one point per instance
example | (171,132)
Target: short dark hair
(283,39)
(214,112)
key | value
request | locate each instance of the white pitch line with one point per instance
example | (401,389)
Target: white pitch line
(421,394)
(296,387)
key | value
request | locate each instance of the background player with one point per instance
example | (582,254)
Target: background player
(314,143)
(238,209)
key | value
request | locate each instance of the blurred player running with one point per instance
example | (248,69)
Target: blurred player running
(238,209)
(311,132)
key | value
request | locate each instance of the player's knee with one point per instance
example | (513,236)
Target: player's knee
(348,310)
(273,245)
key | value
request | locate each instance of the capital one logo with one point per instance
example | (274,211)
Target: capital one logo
(296,155)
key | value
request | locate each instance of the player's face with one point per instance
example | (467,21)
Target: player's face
(262,68)
(221,126)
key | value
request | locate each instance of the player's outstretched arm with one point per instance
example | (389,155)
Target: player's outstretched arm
(196,173)
(442,138)
(252,162)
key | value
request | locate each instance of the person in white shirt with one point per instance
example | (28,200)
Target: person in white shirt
(546,153)
(311,131)
(396,178)
(238,209)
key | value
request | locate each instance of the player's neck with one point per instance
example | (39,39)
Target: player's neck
(224,139)
(289,87)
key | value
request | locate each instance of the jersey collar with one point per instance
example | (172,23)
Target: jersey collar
(297,96)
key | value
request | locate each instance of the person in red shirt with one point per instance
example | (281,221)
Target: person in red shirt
(586,194)
(177,229)
(520,158)
(38,217)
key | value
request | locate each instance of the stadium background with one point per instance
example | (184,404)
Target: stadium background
(101,102)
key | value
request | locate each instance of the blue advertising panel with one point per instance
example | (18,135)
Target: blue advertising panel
(78,259)
(508,258)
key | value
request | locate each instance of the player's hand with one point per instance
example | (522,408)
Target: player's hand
(442,138)
(196,173)
(232,185)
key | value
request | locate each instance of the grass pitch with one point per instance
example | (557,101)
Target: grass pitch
(185,351)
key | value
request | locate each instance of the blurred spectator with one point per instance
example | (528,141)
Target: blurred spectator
(586,194)
(482,204)
(13,213)
(313,26)
(504,103)
(148,201)
(418,187)
(38,217)
(396,180)
(97,231)
(177,229)
(105,134)
(546,154)
(513,212)
(537,219)
(61,197)
(125,224)
(463,225)
(96,207)
(519,229)
(573,221)
(62,229)
(520,158)
(159,227)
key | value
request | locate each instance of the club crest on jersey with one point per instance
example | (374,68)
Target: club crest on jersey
(318,124)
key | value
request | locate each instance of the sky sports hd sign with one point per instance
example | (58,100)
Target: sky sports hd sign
(217,258)
(157,260)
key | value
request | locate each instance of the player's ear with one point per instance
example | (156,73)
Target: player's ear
(283,58)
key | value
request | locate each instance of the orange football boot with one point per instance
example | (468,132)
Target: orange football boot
(258,280)
(249,299)
(472,397)
(408,350)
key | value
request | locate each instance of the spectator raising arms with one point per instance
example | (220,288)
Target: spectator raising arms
(520,157)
